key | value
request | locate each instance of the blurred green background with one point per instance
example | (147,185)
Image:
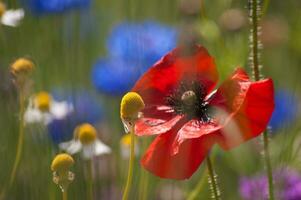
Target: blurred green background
(64,48)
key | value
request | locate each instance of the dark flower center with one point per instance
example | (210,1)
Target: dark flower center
(189,99)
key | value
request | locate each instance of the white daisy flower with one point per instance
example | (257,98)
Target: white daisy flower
(42,108)
(10,17)
(85,141)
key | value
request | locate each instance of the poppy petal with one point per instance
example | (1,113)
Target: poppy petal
(195,129)
(166,75)
(152,126)
(244,108)
(160,160)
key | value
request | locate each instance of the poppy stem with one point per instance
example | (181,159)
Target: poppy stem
(212,180)
(131,166)
(254,6)
(268,163)
(20,139)
(90,179)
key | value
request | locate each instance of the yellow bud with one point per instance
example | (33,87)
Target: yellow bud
(86,133)
(42,101)
(22,66)
(62,163)
(2,9)
(130,106)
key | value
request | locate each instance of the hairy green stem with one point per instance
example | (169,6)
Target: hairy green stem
(255,15)
(268,164)
(212,179)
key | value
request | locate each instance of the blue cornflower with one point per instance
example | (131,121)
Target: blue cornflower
(132,49)
(147,41)
(86,109)
(286,110)
(115,76)
(55,6)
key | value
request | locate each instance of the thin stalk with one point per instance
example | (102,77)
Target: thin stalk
(89,179)
(268,164)
(131,167)
(197,190)
(212,179)
(143,178)
(20,139)
(254,18)
(65,195)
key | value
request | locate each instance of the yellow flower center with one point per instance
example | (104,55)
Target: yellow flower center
(86,133)
(62,163)
(2,9)
(22,66)
(126,140)
(130,106)
(42,101)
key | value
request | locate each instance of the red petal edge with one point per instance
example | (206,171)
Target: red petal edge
(246,108)
(165,75)
(160,160)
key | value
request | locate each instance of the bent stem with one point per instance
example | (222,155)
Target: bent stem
(212,179)
(131,166)
(255,65)
(20,139)
(65,195)
(89,179)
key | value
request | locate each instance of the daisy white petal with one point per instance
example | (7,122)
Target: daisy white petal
(101,148)
(71,147)
(60,110)
(12,17)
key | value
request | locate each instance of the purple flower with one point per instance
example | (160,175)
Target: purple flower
(287,186)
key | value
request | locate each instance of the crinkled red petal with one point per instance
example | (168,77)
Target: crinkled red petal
(160,160)
(166,75)
(244,108)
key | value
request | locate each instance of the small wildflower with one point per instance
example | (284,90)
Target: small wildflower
(86,134)
(43,101)
(42,108)
(85,108)
(60,166)
(287,185)
(10,17)
(132,49)
(55,7)
(130,107)
(86,141)
(21,69)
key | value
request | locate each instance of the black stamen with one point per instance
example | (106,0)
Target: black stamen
(189,99)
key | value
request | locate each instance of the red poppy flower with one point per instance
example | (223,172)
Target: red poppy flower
(189,117)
